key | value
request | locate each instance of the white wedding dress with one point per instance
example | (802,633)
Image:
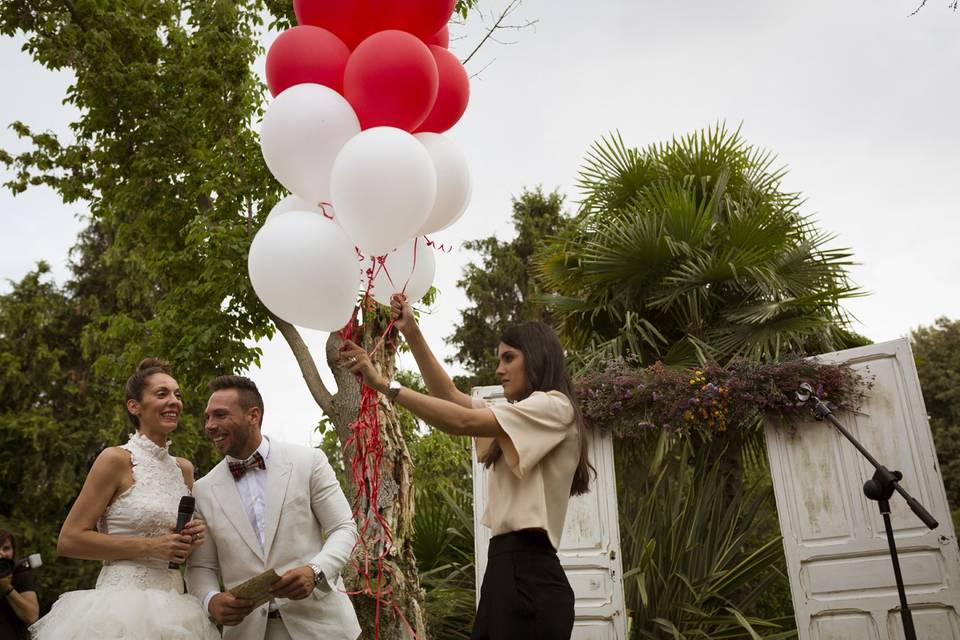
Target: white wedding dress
(135,599)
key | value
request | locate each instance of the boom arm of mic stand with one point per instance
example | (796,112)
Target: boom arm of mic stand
(822,412)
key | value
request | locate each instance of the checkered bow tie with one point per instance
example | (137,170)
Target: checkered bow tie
(237,469)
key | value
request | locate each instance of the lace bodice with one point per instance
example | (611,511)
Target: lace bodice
(148,508)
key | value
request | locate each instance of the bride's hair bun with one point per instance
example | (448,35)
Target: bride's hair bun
(160,365)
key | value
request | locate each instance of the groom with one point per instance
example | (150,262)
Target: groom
(270,504)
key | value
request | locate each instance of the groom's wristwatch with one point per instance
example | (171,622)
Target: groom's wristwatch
(317,574)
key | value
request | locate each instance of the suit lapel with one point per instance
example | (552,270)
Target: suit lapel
(278,477)
(228,497)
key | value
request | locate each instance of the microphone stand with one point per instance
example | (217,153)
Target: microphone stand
(879,488)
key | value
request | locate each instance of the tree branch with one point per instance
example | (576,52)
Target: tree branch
(953,4)
(474,75)
(311,375)
(498,25)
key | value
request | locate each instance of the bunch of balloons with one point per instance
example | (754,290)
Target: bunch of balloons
(363,90)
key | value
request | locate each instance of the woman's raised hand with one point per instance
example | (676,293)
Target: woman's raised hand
(356,360)
(402,313)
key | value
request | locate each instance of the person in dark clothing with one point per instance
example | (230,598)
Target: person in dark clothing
(19,607)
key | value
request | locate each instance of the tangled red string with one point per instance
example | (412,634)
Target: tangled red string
(323,210)
(375,539)
(439,247)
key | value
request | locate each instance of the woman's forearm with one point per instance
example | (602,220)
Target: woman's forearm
(446,415)
(93,545)
(434,376)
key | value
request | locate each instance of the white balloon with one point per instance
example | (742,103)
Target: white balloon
(296,203)
(453,182)
(303,130)
(409,269)
(305,270)
(383,186)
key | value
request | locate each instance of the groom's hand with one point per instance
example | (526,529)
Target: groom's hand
(229,611)
(295,584)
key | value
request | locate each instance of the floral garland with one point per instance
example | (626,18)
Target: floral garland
(713,399)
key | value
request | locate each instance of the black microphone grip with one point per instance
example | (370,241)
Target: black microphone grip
(923,514)
(184,514)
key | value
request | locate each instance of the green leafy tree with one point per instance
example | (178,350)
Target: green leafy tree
(500,287)
(690,251)
(52,422)
(166,165)
(937,352)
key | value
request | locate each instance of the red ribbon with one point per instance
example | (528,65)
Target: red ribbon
(323,210)
(365,471)
(439,247)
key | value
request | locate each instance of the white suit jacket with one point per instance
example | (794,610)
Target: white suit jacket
(306,519)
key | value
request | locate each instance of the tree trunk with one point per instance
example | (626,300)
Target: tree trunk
(396,495)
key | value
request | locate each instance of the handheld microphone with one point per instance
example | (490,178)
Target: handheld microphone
(184,513)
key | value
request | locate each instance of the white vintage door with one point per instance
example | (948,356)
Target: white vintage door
(834,539)
(590,546)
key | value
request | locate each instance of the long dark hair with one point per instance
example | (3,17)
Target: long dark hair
(138,382)
(546,370)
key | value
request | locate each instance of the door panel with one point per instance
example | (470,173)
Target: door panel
(841,577)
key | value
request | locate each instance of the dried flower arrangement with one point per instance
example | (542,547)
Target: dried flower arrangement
(627,400)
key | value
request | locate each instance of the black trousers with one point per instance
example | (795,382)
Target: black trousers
(525,594)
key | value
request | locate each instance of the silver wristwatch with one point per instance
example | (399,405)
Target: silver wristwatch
(317,574)
(393,389)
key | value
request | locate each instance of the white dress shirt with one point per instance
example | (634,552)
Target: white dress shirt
(252,487)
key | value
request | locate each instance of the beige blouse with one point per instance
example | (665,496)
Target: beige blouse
(529,486)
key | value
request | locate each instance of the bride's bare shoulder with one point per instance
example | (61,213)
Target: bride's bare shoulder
(113,460)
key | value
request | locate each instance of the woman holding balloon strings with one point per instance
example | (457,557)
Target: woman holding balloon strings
(536,449)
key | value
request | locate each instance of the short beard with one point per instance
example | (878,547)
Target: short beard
(237,445)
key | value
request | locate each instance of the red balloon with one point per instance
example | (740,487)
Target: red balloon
(306,54)
(422,18)
(391,80)
(440,38)
(347,19)
(452,96)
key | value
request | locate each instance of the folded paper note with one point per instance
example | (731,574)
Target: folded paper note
(256,588)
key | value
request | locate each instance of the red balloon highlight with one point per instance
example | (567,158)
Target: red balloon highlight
(391,80)
(452,95)
(349,20)
(422,18)
(306,54)
(440,38)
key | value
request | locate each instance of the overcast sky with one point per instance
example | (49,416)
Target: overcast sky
(858,100)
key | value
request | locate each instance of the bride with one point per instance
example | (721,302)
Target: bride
(125,516)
